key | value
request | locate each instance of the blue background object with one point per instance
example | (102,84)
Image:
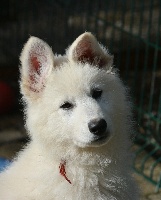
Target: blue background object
(3,163)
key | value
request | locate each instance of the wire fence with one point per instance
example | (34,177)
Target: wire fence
(131,30)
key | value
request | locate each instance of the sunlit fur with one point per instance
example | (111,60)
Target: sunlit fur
(97,171)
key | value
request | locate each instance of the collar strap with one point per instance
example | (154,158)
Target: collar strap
(62,170)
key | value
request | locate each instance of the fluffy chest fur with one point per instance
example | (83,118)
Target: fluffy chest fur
(92,177)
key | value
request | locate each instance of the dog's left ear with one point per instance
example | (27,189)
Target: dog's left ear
(86,49)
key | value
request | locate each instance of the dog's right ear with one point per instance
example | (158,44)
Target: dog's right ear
(36,65)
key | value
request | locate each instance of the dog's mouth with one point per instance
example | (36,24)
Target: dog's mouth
(96,141)
(99,139)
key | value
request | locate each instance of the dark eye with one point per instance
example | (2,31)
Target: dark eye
(67,106)
(96,93)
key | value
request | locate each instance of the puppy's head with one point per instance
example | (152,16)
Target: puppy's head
(73,98)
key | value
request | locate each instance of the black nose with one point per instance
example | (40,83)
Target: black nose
(97,126)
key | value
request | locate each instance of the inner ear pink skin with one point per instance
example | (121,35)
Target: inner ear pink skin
(35,64)
(84,53)
(35,69)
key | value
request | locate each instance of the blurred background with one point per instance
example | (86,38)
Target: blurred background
(131,29)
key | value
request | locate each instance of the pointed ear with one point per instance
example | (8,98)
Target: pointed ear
(36,65)
(86,49)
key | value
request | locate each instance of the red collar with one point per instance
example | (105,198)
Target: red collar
(62,170)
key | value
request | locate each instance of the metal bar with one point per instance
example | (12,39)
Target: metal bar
(146,177)
(155,63)
(141,110)
(132,5)
(153,167)
(147,157)
(115,2)
(142,92)
(135,36)
(158,124)
(121,35)
(139,151)
(158,186)
(134,87)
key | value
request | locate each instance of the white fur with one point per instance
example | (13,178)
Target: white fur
(97,171)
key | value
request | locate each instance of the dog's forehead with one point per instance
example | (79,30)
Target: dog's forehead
(74,78)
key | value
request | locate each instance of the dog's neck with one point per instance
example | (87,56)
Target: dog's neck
(83,161)
(91,176)
(79,157)
(86,168)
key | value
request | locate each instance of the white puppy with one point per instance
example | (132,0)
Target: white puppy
(79,119)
